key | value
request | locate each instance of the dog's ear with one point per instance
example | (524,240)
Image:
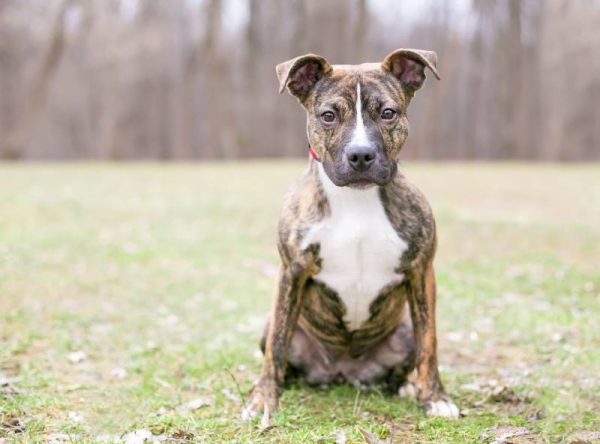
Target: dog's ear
(301,74)
(408,66)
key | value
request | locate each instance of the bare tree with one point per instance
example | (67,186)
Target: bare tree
(183,79)
(14,144)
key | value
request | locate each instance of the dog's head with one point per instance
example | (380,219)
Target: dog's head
(357,113)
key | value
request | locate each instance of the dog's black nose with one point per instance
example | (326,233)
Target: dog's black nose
(360,158)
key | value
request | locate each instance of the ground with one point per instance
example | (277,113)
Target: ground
(132,298)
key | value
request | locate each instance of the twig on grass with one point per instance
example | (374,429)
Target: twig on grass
(237,386)
(355,407)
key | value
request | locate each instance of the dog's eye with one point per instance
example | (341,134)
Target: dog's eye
(388,114)
(328,116)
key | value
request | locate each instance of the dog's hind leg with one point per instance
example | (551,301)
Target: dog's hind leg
(399,350)
(307,358)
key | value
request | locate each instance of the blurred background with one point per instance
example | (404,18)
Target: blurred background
(195,79)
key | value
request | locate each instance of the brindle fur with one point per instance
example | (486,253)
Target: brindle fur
(306,328)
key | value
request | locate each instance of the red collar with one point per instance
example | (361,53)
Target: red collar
(313,154)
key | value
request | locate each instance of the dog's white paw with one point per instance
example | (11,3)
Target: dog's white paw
(443,408)
(249,413)
(408,390)
(256,407)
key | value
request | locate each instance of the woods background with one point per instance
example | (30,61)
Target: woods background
(191,79)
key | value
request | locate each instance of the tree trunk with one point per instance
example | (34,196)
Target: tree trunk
(15,142)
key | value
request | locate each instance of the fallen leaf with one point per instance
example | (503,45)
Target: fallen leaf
(502,434)
(77,356)
(583,437)
(75,417)
(507,395)
(472,387)
(163,410)
(340,437)
(370,438)
(137,436)
(195,404)
(5,381)
(162,382)
(183,435)
(455,336)
(12,423)
(6,387)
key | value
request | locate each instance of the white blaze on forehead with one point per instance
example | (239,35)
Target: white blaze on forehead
(359,136)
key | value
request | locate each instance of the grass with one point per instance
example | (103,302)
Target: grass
(128,290)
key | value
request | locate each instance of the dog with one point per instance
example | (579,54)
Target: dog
(356,291)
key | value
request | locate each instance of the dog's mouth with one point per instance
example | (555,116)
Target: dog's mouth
(362,181)
(380,177)
(361,184)
(343,176)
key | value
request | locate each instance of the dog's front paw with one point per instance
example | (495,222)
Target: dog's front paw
(263,402)
(443,407)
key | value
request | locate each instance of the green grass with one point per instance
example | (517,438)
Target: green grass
(163,274)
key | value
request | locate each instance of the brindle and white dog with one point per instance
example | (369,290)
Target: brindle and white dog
(356,293)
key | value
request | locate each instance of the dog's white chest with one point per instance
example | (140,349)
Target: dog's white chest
(359,248)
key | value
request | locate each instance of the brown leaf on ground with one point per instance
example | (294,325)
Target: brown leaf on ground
(11,423)
(183,435)
(503,396)
(511,435)
(370,438)
(583,437)
(506,394)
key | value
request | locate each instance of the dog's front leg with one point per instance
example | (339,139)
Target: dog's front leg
(265,394)
(430,391)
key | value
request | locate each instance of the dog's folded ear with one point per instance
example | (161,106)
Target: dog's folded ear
(408,66)
(301,74)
